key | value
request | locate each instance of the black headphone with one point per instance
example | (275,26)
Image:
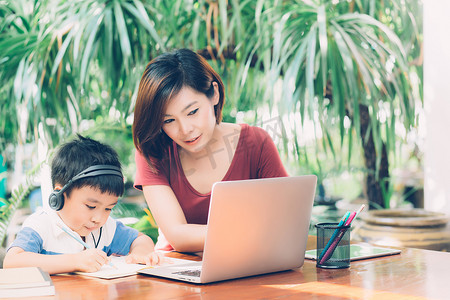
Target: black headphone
(56,198)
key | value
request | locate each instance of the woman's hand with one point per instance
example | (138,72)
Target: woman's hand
(142,251)
(149,259)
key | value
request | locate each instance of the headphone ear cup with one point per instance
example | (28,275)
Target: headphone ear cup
(56,200)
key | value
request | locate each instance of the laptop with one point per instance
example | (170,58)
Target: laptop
(255,227)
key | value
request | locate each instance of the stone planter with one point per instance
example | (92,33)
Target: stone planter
(413,228)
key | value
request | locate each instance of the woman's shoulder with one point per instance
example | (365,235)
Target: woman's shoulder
(248,134)
(230,131)
(243,128)
(254,132)
(231,127)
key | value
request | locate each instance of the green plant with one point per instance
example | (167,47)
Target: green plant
(3,176)
(147,225)
(9,206)
(65,62)
(346,69)
(345,66)
(119,137)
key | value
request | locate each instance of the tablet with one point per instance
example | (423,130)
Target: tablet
(361,251)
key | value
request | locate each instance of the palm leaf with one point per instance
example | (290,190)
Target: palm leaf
(18,195)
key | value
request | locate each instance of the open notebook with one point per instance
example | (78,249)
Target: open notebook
(123,269)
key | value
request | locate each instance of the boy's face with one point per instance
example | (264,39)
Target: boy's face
(87,209)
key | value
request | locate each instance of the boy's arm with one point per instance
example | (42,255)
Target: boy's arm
(89,260)
(142,251)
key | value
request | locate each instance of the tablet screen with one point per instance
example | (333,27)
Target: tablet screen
(360,251)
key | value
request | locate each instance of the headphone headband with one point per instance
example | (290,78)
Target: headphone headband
(93,171)
(97,170)
(56,200)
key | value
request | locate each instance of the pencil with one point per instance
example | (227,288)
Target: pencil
(80,241)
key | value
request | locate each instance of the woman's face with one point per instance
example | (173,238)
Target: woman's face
(189,119)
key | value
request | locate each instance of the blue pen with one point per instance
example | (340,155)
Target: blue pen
(335,233)
(80,241)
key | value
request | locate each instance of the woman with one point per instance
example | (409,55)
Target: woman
(183,148)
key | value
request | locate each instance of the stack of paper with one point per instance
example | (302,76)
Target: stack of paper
(25,282)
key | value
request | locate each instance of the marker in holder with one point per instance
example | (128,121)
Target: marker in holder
(333,246)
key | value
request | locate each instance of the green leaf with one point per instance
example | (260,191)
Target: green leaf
(91,30)
(142,16)
(310,59)
(123,34)
(62,52)
(323,43)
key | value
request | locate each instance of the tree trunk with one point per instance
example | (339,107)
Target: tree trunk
(374,184)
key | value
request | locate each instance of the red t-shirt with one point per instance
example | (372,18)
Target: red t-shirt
(256,156)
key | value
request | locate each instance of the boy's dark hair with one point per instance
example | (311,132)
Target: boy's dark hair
(79,154)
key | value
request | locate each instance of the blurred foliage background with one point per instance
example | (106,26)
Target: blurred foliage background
(338,84)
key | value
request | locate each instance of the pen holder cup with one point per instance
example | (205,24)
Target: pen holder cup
(333,246)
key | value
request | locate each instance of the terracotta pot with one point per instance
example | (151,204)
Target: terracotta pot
(413,228)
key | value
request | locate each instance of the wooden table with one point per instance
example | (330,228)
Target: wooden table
(414,274)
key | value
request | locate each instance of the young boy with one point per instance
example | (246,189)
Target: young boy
(87,182)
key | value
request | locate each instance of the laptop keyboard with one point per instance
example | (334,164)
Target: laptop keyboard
(194,273)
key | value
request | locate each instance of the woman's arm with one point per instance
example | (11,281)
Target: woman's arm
(269,162)
(171,220)
(90,260)
(142,251)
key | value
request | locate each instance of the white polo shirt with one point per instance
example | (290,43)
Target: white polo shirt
(40,234)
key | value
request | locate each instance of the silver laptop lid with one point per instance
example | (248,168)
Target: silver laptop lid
(257,226)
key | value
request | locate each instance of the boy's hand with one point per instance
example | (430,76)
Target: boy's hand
(91,260)
(149,259)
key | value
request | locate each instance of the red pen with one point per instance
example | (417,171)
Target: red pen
(353,215)
(350,219)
